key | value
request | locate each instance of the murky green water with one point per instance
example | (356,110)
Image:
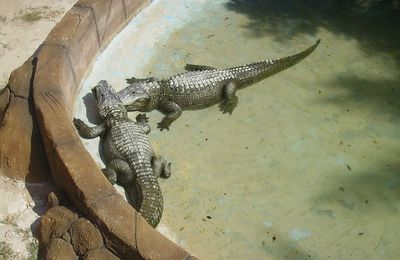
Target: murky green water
(307,165)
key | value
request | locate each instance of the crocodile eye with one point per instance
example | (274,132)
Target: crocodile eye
(133,92)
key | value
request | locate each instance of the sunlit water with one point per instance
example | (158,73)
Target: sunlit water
(307,165)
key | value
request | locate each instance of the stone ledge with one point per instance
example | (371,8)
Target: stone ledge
(47,100)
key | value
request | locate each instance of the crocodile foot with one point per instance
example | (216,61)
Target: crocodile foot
(227,107)
(164,124)
(131,80)
(79,124)
(142,118)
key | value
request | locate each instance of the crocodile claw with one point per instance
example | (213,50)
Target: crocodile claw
(131,80)
(227,107)
(78,123)
(142,118)
(164,124)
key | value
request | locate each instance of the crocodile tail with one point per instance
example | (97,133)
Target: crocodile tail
(149,200)
(251,73)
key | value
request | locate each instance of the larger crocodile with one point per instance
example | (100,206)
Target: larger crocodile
(128,153)
(200,87)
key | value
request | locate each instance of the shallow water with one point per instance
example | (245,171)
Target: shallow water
(307,165)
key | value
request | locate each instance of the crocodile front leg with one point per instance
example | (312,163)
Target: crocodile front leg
(230,100)
(161,167)
(171,111)
(143,120)
(88,132)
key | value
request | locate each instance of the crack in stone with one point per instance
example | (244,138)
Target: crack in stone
(94,18)
(107,20)
(76,27)
(15,95)
(53,99)
(69,60)
(4,112)
(12,94)
(124,5)
(48,103)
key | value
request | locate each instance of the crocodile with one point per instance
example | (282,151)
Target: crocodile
(130,159)
(200,86)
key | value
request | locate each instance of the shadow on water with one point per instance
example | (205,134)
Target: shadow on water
(371,22)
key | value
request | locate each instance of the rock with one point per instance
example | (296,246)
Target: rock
(100,254)
(85,236)
(67,237)
(58,249)
(21,153)
(55,223)
(52,200)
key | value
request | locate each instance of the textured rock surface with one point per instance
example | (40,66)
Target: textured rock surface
(84,236)
(55,223)
(99,254)
(58,249)
(65,236)
(21,151)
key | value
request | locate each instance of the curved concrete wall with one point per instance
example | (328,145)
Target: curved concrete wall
(47,85)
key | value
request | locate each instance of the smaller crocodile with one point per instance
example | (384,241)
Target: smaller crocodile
(201,86)
(129,156)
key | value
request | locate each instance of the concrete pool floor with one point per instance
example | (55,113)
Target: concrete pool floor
(307,165)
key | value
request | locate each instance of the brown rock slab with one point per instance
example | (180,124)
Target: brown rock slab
(21,150)
(54,78)
(85,236)
(4,100)
(100,254)
(55,222)
(109,15)
(77,33)
(59,249)
(134,6)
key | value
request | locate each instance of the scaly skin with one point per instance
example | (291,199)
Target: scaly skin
(200,87)
(129,156)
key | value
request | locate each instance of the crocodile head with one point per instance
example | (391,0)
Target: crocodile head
(135,97)
(109,103)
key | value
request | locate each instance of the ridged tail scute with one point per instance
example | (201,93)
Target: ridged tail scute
(251,73)
(149,198)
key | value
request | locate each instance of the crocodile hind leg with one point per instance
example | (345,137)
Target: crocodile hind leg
(142,120)
(86,131)
(171,111)
(119,170)
(230,100)
(161,167)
